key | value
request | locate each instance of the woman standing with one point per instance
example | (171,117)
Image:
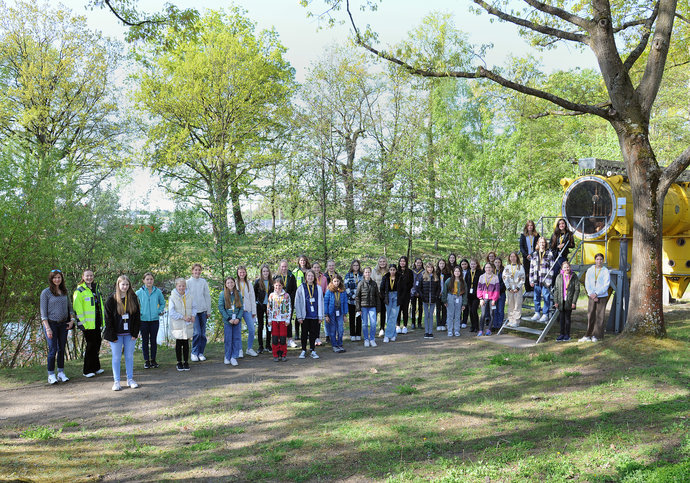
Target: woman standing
(58,318)
(416,293)
(430,293)
(377,274)
(367,300)
(335,308)
(262,287)
(561,242)
(514,279)
(528,245)
(88,306)
(352,279)
(499,313)
(541,277)
(249,310)
(405,283)
(390,289)
(231,306)
(443,272)
(122,323)
(488,292)
(454,297)
(152,305)
(309,312)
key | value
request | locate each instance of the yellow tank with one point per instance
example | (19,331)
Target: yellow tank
(599,210)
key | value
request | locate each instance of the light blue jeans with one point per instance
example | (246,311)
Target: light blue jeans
(369,322)
(249,320)
(539,293)
(232,339)
(429,317)
(126,342)
(199,337)
(392,310)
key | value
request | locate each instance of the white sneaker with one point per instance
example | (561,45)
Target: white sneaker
(90,374)
(353,338)
(116,386)
(404,330)
(457,334)
(100,371)
(202,357)
(194,358)
(132,384)
(52,379)
(61,377)
(439,328)
(252,352)
(241,354)
(392,339)
(303,354)
(585,339)
(386,340)
(594,339)
(372,343)
(226,361)
(463,326)
(233,362)
(382,333)
(366,343)
(544,318)
(292,343)
(535,316)
(450,334)
(314,355)
(397,329)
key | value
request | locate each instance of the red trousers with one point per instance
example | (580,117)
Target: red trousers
(279,338)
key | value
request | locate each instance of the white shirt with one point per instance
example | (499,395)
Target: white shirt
(597,280)
(201,295)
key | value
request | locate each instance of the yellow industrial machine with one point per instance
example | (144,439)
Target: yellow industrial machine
(598,207)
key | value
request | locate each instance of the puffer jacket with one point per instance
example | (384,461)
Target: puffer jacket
(431,291)
(329,306)
(572,292)
(367,294)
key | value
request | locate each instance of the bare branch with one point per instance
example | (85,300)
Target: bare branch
(542,29)
(602,105)
(642,45)
(583,23)
(127,22)
(672,171)
(681,17)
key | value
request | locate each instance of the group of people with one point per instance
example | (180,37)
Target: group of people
(451,292)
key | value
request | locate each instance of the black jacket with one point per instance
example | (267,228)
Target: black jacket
(385,288)
(113,319)
(472,285)
(431,291)
(367,294)
(406,281)
(260,290)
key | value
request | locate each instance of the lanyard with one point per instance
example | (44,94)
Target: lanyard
(513,268)
(596,274)
(472,279)
(184,302)
(125,304)
(337,299)
(310,289)
(392,282)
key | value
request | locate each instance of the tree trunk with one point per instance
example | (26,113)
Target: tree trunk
(645,315)
(348,171)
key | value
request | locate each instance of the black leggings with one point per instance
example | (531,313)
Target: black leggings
(310,330)
(262,317)
(441,314)
(417,303)
(474,317)
(564,318)
(382,313)
(403,313)
(182,350)
(355,321)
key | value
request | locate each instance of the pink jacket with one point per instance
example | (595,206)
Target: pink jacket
(491,291)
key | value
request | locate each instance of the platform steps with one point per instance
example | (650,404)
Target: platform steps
(540,329)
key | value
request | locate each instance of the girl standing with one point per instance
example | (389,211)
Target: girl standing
(367,299)
(561,242)
(122,323)
(302,266)
(430,293)
(454,297)
(565,294)
(488,292)
(443,272)
(231,307)
(472,281)
(152,305)
(309,312)
(528,245)
(182,313)
(279,314)
(465,266)
(416,293)
(88,306)
(58,318)
(405,283)
(541,276)
(335,308)
(514,278)
(452,262)
(352,279)
(377,274)
(249,309)
(262,287)
(323,282)
(499,313)
(390,286)
(201,296)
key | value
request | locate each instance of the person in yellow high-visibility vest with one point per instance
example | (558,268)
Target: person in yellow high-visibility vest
(88,305)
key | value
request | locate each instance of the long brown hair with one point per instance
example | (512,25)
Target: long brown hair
(51,285)
(526,233)
(340,288)
(227,294)
(132,300)
(454,286)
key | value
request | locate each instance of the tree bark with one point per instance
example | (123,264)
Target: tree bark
(240,227)
(348,172)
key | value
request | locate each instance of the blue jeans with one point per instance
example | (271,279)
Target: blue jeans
(199,337)
(149,332)
(335,330)
(392,310)
(249,320)
(56,345)
(232,339)
(499,313)
(429,317)
(369,322)
(126,342)
(539,293)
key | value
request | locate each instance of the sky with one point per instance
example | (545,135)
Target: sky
(306,39)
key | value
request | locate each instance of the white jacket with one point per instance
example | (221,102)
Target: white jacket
(247,291)
(181,306)
(301,302)
(200,293)
(598,281)
(514,277)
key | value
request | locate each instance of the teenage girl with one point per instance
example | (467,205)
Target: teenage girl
(249,309)
(279,314)
(454,298)
(465,267)
(514,279)
(262,287)
(561,242)
(323,282)
(390,290)
(430,294)
(367,298)
(377,274)
(565,294)
(182,312)
(58,318)
(352,279)
(452,261)
(528,245)
(499,313)
(122,324)
(302,266)
(231,307)
(309,312)
(405,283)
(335,308)
(472,281)
(488,292)
(416,293)
(443,272)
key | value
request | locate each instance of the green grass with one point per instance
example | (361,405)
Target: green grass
(614,411)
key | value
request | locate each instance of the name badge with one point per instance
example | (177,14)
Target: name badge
(125,326)
(457,301)
(337,313)
(125,316)
(471,290)
(311,308)
(486,296)
(87,299)
(312,300)
(417,282)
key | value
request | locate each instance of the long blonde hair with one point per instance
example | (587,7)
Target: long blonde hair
(227,294)
(426,276)
(132,300)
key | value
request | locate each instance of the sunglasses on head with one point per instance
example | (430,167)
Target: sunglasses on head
(56,271)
